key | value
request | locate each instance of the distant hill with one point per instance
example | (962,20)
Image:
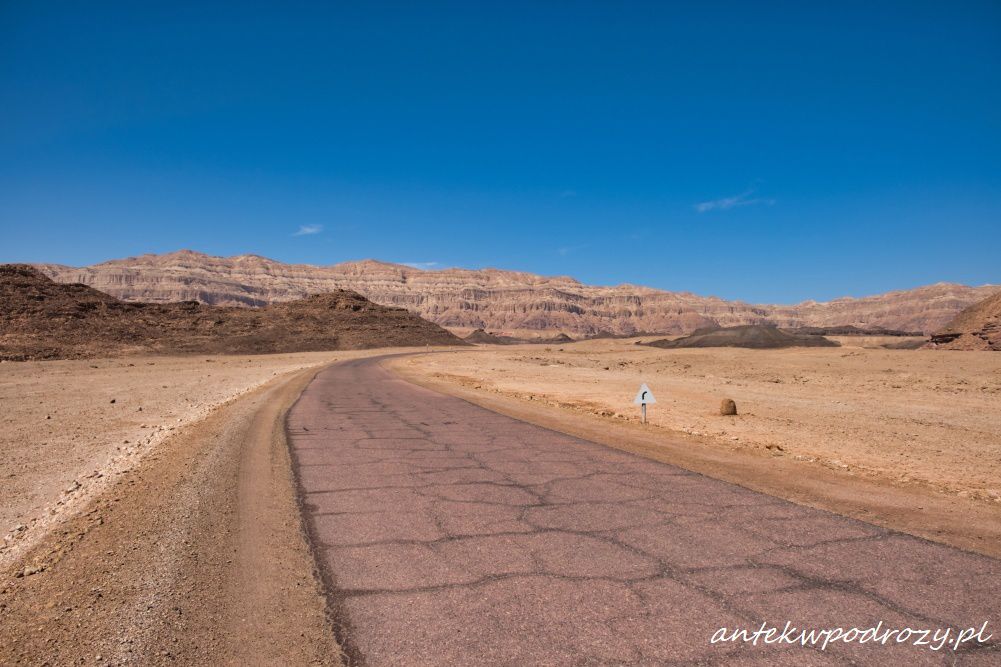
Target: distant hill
(508,302)
(975,328)
(42,319)
(850,330)
(481,337)
(486,338)
(755,336)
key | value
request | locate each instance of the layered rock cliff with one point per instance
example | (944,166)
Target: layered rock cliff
(500,301)
(975,328)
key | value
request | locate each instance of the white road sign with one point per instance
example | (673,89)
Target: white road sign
(644,396)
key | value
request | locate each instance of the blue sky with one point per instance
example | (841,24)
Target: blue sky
(771,152)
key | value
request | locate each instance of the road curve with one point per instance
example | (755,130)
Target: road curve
(195,556)
(452,535)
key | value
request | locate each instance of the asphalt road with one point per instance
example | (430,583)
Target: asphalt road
(452,535)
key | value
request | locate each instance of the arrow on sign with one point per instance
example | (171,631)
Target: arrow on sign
(644,396)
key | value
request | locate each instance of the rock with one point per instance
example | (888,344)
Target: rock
(31,569)
(976,328)
(753,336)
(73,487)
(112,400)
(727,407)
(42,319)
(498,300)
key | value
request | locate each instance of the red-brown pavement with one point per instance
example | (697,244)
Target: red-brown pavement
(452,535)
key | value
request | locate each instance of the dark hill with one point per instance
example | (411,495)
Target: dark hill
(752,336)
(482,337)
(558,338)
(486,338)
(852,330)
(42,319)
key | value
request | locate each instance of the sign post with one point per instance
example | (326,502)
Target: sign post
(644,397)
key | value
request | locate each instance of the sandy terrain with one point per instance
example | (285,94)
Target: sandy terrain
(197,555)
(67,428)
(921,421)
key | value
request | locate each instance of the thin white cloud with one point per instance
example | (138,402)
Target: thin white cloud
(745,198)
(423,266)
(563,251)
(306,230)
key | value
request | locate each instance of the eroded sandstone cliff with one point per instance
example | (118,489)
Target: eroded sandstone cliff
(42,319)
(500,301)
(975,328)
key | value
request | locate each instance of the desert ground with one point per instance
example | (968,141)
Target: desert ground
(70,427)
(156,515)
(920,425)
(912,418)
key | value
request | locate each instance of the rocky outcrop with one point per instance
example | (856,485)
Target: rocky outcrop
(481,337)
(849,330)
(500,301)
(975,328)
(42,319)
(753,336)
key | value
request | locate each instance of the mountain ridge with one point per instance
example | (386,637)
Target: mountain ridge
(501,300)
(44,319)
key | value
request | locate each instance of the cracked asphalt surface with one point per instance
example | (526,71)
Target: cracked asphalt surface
(451,535)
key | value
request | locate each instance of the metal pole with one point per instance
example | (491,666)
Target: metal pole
(644,413)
